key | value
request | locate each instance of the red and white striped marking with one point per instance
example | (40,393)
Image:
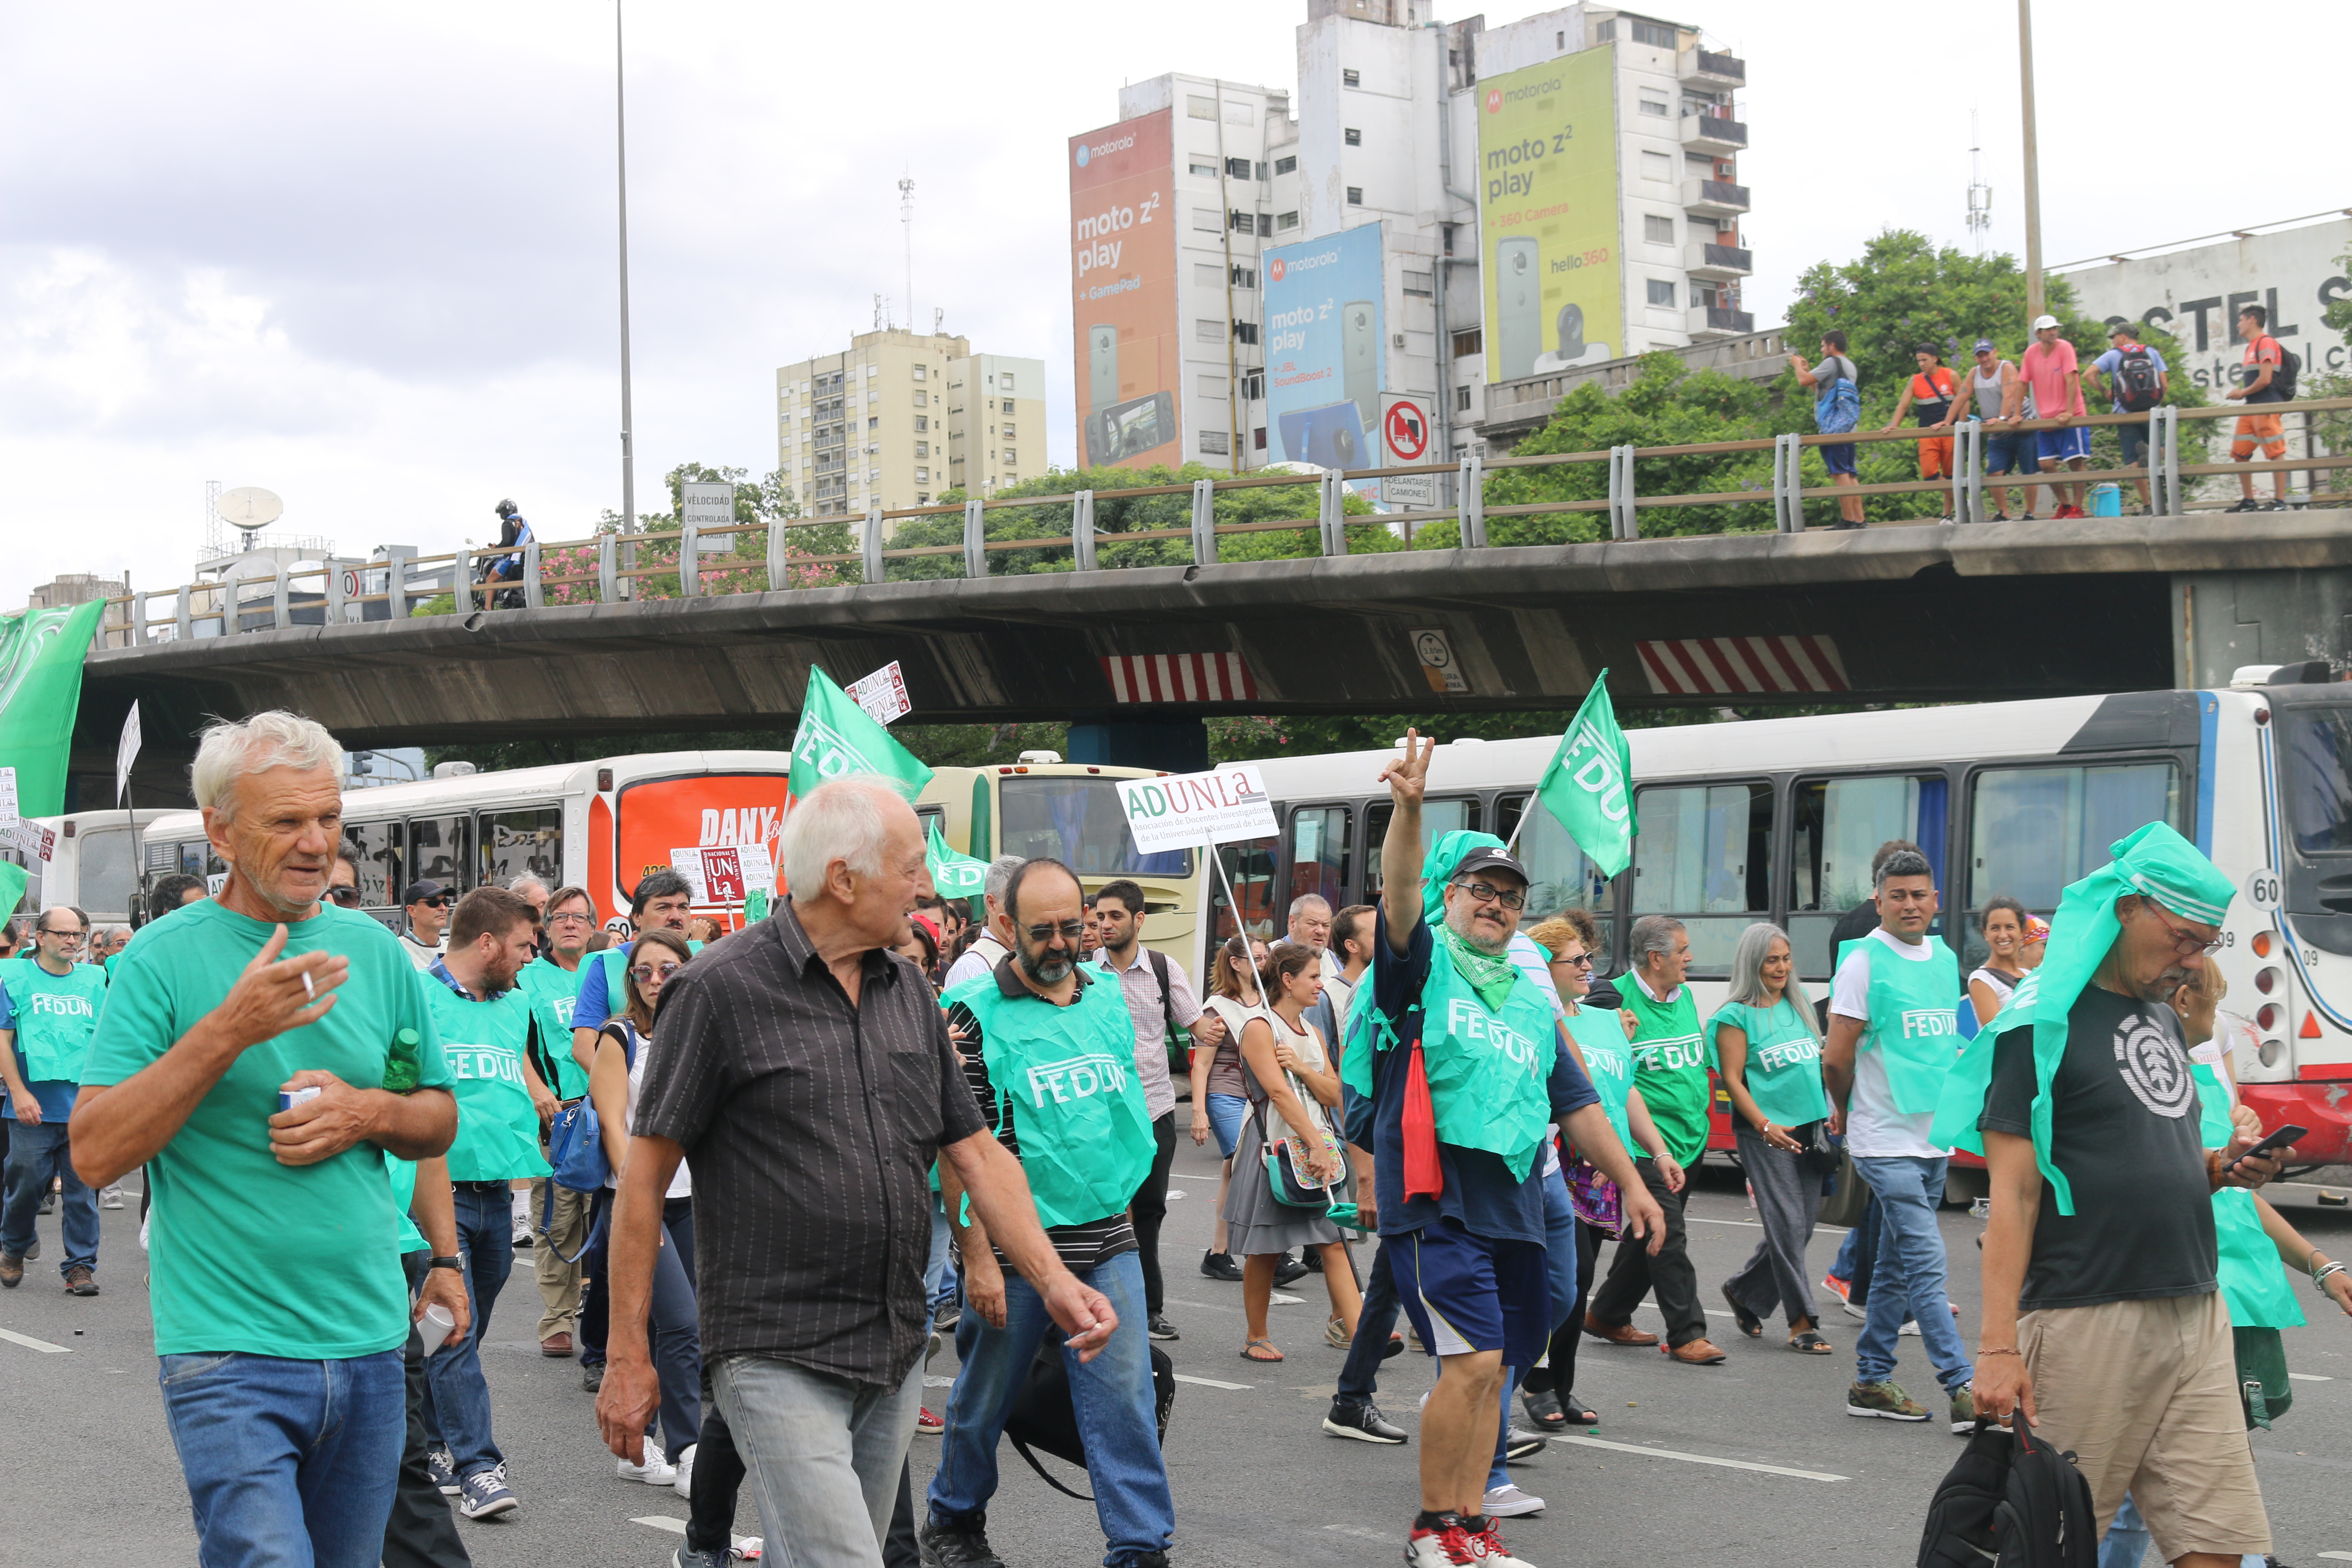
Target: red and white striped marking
(1695,667)
(1179,677)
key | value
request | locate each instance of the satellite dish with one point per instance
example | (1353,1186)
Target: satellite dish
(250,507)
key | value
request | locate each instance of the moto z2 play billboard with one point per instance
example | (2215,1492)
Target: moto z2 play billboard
(1325,331)
(1549,207)
(1123,282)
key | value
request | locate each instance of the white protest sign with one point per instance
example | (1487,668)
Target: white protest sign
(7,797)
(126,752)
(882,694)
(688,863)
(1188,810)
(759,867)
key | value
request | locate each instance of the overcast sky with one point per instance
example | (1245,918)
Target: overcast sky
(363,255)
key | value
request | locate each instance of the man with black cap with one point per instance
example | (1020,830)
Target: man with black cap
(427,904)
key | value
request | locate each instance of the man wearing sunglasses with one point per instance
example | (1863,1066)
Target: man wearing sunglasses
(426,904)
(49,1001)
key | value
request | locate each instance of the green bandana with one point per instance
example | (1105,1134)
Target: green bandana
(2155,861)
(1491,974)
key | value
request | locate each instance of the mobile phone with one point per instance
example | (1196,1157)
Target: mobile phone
(1518,285)
(2273,1141)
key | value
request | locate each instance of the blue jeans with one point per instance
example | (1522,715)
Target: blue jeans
(1111,1395)
(1908,1277)
(1560,1263)
(939,1274)
(457,1399)
(290,1464)
(2126,1541)
(36,1153)
(1226,1114)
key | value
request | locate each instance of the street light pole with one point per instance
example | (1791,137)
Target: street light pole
(2033,299)
(620,131)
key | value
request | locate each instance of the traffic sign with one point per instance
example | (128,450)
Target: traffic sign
(1407,431)
(1406,424)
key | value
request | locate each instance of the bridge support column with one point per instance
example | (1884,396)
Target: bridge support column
(1204,523)
(1177,745)
(2222,620)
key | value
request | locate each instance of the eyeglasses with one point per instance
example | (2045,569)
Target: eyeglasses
(1069,931)
(68,937)
(439,901)
(1484,894)
(645,971)
(1581,961)
(2184,942)
(347,897)
(572,918)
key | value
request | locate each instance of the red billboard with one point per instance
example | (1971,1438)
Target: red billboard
(1123,289)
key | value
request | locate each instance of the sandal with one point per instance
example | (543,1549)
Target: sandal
(1749,1323)
(1809,1344)
(1249,1348)
(1577,1416)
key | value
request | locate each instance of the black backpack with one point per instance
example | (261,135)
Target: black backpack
(1042,1417)
(2136,381)
(2014,1501)
(2282,374)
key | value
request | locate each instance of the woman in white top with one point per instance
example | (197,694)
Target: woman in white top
(1293,1086)
(615,1079)
(2002,926)
(1220,1101)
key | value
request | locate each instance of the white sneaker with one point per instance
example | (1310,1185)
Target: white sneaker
(1859,1314)
(656,1471)
(110,1197)
(1507,1501)
(684,1483)
(1911,1327)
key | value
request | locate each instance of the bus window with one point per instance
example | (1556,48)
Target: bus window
(197,859)
(376,847)
(1249,863)
(106,872)
(2317,746)
(1562,877)
(1318,854)
(1836,827)
(2033,830)
(1703,855)
(437,852)
(516,843)
(1078,822)
(1438,817)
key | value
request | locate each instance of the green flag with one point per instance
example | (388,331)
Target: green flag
(40,691)
(1589,786)
(837,740)
(953,875)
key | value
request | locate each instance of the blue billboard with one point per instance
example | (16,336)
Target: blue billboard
(1324,328)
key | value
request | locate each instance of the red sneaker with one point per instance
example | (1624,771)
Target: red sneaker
(1447,1546)
(1488,1544)
(1843,1287)
(930,1425)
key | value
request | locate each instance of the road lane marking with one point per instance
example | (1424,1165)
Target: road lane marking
(30,1343)
(2337,1556)
(662,1521)
(2309,1377)
(1208,1381)
(1704,1460)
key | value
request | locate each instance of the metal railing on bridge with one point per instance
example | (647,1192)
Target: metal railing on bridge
(611,568)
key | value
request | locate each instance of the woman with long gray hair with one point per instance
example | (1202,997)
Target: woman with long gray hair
(1768,1052)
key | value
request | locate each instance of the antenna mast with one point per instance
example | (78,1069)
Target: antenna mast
(907,223)
(1980,194)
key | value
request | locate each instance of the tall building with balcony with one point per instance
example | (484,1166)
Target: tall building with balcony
(996,422)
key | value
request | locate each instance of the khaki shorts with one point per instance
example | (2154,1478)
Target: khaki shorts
(2145,1394)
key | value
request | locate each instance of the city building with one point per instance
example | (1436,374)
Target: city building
(1558,192)
(996,422)
(77,588)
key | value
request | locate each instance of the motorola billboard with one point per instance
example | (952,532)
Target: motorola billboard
(1548,210)
(1324,334)
(1123,284)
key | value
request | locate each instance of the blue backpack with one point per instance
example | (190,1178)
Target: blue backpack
(1837,408)
(576,1146)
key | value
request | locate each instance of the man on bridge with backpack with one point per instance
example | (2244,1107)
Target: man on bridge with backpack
(2268,377)
(1837,408)
(2136,379)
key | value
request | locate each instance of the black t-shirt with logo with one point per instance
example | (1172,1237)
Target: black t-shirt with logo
(2125,1129)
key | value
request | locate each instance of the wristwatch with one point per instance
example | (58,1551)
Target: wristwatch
(456,1263)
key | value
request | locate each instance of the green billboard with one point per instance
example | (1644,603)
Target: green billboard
(1549,206)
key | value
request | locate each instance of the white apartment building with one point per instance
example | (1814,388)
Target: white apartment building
(900,416)
(996,418)
(1389,107)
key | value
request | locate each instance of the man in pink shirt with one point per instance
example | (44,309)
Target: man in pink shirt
(2047,368)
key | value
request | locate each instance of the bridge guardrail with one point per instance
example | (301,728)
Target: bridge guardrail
(223,607)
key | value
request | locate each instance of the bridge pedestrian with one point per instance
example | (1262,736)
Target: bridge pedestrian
(1931,397)
(1768,1052)
(1220,1094)
(279,1363)
(1836,387)
(2001,924)
(988,947)
(2136,380)
(426,905)
(49,1003)
(485,1024)
(1159,1000)
(1670,1069)
(1997,398)
(814,1331)
(2263,367)
(559,1215)
(1894,1032)
(1044,1017)
(2102,1316)
(2049,373)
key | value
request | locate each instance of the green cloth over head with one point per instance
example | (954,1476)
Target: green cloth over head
(2154,862)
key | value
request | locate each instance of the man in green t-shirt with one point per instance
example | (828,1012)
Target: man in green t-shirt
(279,1304)
(48,1010)
(1669,1070)
(551,983)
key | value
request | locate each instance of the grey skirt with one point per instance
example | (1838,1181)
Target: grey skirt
(1255,1225)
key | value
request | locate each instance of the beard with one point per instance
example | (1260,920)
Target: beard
(1046,966)
(1464,924)
(2161,988)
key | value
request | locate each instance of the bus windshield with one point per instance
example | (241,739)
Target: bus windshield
(2319,778)
(1077,821)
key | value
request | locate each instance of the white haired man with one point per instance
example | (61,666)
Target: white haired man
(814,1327)
(994,942)
(279,1304)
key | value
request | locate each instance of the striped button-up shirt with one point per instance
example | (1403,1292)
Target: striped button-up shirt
(811,1126)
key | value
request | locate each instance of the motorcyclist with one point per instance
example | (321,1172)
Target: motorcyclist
(514,531)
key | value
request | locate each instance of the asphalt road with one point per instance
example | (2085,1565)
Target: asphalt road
(1697,1467)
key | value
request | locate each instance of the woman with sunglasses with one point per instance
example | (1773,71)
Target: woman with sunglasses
(1219,1097)
(1292,1086)
(614,1081)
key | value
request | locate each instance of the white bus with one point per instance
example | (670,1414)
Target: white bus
(1777,819)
